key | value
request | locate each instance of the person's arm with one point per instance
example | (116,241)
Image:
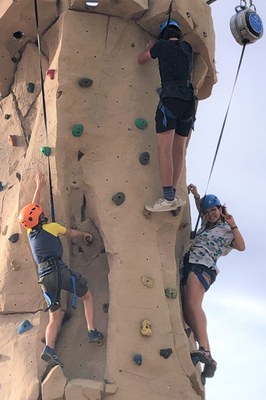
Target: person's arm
(145,56)
(75,234)
(40,182)
(193,189)
(238,242)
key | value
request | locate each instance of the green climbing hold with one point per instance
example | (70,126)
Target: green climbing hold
(46,150)
(171,293)
(141,123)
(77,130)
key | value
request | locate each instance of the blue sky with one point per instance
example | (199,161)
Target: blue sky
(236,304)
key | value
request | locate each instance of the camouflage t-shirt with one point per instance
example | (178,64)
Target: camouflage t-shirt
(210,244)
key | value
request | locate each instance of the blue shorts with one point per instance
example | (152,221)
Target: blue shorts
(177,114)
(199,270)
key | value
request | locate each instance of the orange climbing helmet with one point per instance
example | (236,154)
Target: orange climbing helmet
(29,215)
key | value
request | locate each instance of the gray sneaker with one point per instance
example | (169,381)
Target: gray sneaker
(162,205)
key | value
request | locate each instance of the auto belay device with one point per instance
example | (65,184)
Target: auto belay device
(246,25)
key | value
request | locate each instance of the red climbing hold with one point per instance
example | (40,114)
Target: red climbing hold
(51,73)
(12,140)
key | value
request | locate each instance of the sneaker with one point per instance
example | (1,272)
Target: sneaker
(180,201)
(162,205)
(209,369)
(203,355)
(95,336)
(50,357)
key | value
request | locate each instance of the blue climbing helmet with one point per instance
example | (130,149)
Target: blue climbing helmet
(172,22)
(209,201)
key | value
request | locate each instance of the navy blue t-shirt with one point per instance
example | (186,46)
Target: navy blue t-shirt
(175,60)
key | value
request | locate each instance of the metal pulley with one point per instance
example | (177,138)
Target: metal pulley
(246,25)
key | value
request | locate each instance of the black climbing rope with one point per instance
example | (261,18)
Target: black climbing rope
(169,12)
(44,108)
(193,233)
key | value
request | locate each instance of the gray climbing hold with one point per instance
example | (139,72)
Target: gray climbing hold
(30,87)
(85,82)
(165,353)
(188,331)
(171,293)
(18,176)
(14,265)
(105,308)
(80,155)
(144,158)
(137,358)
(14,238)
(118,198)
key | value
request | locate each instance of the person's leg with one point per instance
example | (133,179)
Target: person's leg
(88,309)
(165,155)
(179,146)
(53,327)
(193,293)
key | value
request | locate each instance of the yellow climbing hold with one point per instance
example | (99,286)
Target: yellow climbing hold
(147,281)
(146,327)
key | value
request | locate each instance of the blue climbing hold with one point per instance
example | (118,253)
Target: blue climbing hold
(195,359)
(14,238)
(137,358)
(24,326)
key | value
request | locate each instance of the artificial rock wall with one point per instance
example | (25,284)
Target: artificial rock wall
(101,44)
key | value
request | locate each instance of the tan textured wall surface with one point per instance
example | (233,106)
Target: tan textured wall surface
(101,45)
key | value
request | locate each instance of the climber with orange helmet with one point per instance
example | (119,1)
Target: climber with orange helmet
(54,274)
(175,113)
(218,235)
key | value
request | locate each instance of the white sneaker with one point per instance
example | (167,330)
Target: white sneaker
(162,205)
(180,202)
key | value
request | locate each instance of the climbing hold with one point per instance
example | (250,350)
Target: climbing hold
(194,359)
(80,155)
(85,82)
(7,116)
(46,150)
(146,328)
(51,73)
(1,186)
(24,326)
(203,379)
(183,226)
(141,123)
(171,293)
(165,353)
(105,308)
(12,140)
(15,265)
(59,94)
(144,158)
(16,57)
(147,281)
(18,176)
(18,35)
(30,87)
(137,358)
(14,238)
(176,212)
(159,90)
(118,198)
(77,130)
(188,331)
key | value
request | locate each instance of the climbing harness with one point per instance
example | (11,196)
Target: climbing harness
(44,108)
(246,25)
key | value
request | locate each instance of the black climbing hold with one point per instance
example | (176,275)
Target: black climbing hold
(59,94)
(105,308)
(77,130)
(118,198)
(176,212)
(24,326)
(14,238)
(18,176)
(30,87)
(137,358)
(18,35)
(188,331)
(203,379)
(195,359)
(165,353)
(144,158)
(80,155)
(7,116)
(85,82)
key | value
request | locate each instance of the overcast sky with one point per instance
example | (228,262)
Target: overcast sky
(236,304)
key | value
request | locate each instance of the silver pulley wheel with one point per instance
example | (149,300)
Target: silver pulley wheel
(246,26)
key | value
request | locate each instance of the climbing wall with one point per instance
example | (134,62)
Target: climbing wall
(100,114)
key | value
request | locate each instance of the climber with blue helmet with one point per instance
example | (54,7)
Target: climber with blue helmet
(175,113)
(54,274)
(217,236)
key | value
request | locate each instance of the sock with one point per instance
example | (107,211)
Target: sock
(168,193)
(174,189)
